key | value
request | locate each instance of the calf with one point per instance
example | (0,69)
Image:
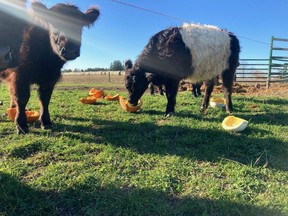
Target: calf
(191,51)
(49,41)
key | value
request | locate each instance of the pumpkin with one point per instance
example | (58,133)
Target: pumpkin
(112,98)
(217,102)
(31,116)
(96,93)
(128,107)
(232,123)
(88,100)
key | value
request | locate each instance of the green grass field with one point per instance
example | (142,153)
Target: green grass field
(100,160)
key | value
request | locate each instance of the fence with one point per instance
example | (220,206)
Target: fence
(274,69)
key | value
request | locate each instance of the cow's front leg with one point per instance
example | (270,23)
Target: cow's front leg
(21,96)
(45,93)
(171,87)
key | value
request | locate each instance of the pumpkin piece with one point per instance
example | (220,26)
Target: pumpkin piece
(232,123)
(96,93)
(217,102)
(112,98)
(31,116)
(88,100)
(128,107)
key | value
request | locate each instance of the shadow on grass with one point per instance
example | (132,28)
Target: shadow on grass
(89,198)
(199,144)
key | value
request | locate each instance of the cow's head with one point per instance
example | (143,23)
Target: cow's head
(136,82)
(65,23)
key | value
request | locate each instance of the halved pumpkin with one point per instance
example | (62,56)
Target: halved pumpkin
(96,93)
(31,116)
(232,123)
(217,102)
(112,98)
(128,107)
(88,100)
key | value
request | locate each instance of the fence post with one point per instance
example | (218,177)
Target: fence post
(270,63)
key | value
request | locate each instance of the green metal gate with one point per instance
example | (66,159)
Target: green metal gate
(278,61)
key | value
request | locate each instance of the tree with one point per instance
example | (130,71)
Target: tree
(116,66)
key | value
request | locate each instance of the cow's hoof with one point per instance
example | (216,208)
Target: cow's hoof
(167,115)
(23,130)
(46,127)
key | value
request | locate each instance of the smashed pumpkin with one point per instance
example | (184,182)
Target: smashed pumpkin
(96,93)
(88,100)
(112,98)
(31,116)
(232,123)
(128,107)
(217,102)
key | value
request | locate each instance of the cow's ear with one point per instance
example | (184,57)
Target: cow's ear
(40,11)
(91,16)
(38,8)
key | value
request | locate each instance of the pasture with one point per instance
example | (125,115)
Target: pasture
(100,160)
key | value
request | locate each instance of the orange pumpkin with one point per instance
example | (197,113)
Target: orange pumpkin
(31,116)
(112,98)
(88,100)
(96,93)
(128,107)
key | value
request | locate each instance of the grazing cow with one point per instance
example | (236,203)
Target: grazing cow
(192,51)
(52,38)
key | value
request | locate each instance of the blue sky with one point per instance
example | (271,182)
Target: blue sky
(122,32)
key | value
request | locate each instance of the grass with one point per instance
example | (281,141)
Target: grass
(100,160)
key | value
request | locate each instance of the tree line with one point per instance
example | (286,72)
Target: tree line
(116,65)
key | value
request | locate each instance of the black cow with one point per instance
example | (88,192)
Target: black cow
(191,51)
(51,38)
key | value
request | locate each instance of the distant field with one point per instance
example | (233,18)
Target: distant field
(112,81)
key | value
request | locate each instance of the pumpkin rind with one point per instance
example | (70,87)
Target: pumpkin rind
(217,102)
(129,107)
(31,116)
(232,123)
(88,100)
(112,98)
(96,93)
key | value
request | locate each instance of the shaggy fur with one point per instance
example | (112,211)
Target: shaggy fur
(47,45)
(190,51)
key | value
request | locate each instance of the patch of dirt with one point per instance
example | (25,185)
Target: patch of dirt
(277,89)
